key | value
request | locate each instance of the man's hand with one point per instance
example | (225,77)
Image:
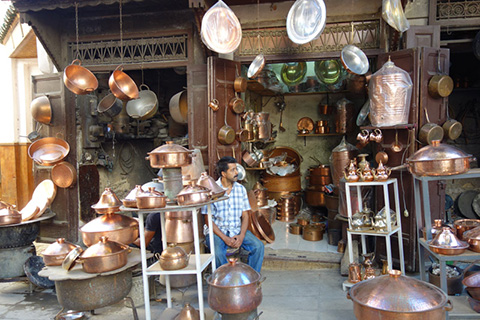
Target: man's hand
(230,242)
(238,240)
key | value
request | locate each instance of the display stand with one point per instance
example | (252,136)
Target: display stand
(422,198)
(389,232)
(197,262)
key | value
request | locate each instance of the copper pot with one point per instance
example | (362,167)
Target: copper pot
(289,183)
(130,200)
(151,199)
(394,296)
(41,109)
(318,180)
(56,252)
(170,155)
(462,225)
(240,84)
(116,227)
(193,194)
(313,232)
(226,134)
(179,226)
(295,228)
(473,239)
(234,288)
(64,174)
(321,170)
(106,255)
(78,79)
(241,135)
(439,160)
(174,258)
(315,198)
(9,215)
(429,132)
(208,182)
(247,158)
(237,105)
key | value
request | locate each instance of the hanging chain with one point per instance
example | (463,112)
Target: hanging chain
(225,90)
(258,25)
(121,33)
(77,54)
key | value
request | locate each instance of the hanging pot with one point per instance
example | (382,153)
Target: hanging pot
(122,86)
(256,66)
(293,73)
(41,110)
(48,151)
(170,155)
(145,106)
(354,60)
(306,20)
(452,129)
(440,85)
(78,79)
(64,174)
(237,105)
(110,106)
(226,134)
(429,132)
(178,107)
(240,84)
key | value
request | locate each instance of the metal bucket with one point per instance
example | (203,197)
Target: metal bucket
(93,293)
(19,235)
(13,259)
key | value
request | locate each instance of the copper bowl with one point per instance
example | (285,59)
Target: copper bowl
(64,174)
(151,199)
(48,151)
(122,86)
(474,292)
(41,109)
(117,227)
(463,225)
(78,79)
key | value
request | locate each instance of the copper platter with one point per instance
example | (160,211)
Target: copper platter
(305,123)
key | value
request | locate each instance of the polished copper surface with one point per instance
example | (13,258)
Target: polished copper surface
(439,159)
(179,227)
(64,174)
(170,155)
(151,199)
(395,296)
(78,79)
(188,313)
(56,252)
(48,151)
(193,194)
(263,226)
(208,182)
(145,106)
(130,200)
(462,225)
(117,227)
(104,256)
(174,258)
(445,242)
(305,123)
(122,86)
(295,228)
(472,281)
(9,215)
(108,203)
(473,238)
(41,109)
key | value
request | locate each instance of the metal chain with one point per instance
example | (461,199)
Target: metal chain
(77,54)
(121,33)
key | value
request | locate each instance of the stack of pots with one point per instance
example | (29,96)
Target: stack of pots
(286,208)
(290,183)
(317,179)
(260,194)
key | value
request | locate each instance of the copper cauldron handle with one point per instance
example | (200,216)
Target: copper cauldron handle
(448,306)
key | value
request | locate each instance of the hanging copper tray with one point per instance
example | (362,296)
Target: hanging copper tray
(305,123)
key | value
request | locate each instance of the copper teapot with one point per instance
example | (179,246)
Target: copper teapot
(366,174)
(381,173)
(350,172)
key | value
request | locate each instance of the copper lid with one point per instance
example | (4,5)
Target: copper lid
(472,234)
(447,239)
(170,147)
(192,187)
(208,182)
(108,202)
(438,151)
(132,195)
(69,261)
(397,293)
(59,247)
(10,211)
(109,222)
(188,313)
(233,274)
(104,247)
(173,252)
(151,193)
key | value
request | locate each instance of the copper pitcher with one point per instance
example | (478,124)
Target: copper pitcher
(354,272)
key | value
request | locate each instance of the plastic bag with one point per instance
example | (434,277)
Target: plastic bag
(392,13)
(390,93)
(221,31)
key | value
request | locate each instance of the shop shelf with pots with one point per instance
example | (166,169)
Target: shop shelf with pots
(421,194)
(197,262)
(320,134)
(390,230)
(257,87)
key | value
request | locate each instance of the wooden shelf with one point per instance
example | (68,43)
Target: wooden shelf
(319,134)
(398,126)
(254,141)
(254,169)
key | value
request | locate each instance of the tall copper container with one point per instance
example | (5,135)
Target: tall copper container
(340,158)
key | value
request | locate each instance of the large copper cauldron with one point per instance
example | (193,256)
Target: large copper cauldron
(170,155)
(398,297)
(234,288)
(116,227)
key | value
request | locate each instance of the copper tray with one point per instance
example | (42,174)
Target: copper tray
(305,123)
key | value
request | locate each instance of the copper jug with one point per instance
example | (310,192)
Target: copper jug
(384,266)
(354,272)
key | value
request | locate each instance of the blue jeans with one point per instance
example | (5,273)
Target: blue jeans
(250,243)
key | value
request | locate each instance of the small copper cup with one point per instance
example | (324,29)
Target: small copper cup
(214,105)
(354,272)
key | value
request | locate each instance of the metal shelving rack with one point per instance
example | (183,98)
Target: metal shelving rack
(422,198)
(197,262)
(390,231)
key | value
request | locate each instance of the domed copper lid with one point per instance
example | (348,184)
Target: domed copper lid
(438,151)
(447,239)
(108,203)
(192,187)
(59,247)
(104,247)
(109,222)
(233,274)
(151,192)
(10,215)
(170,147)
(208,182)
(132,195)
(397,293)
(188,313)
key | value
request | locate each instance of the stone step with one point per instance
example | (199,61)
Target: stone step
(285,259)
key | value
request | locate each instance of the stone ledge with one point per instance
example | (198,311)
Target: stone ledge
(285,259)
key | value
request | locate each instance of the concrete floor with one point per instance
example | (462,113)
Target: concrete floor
(309,294)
